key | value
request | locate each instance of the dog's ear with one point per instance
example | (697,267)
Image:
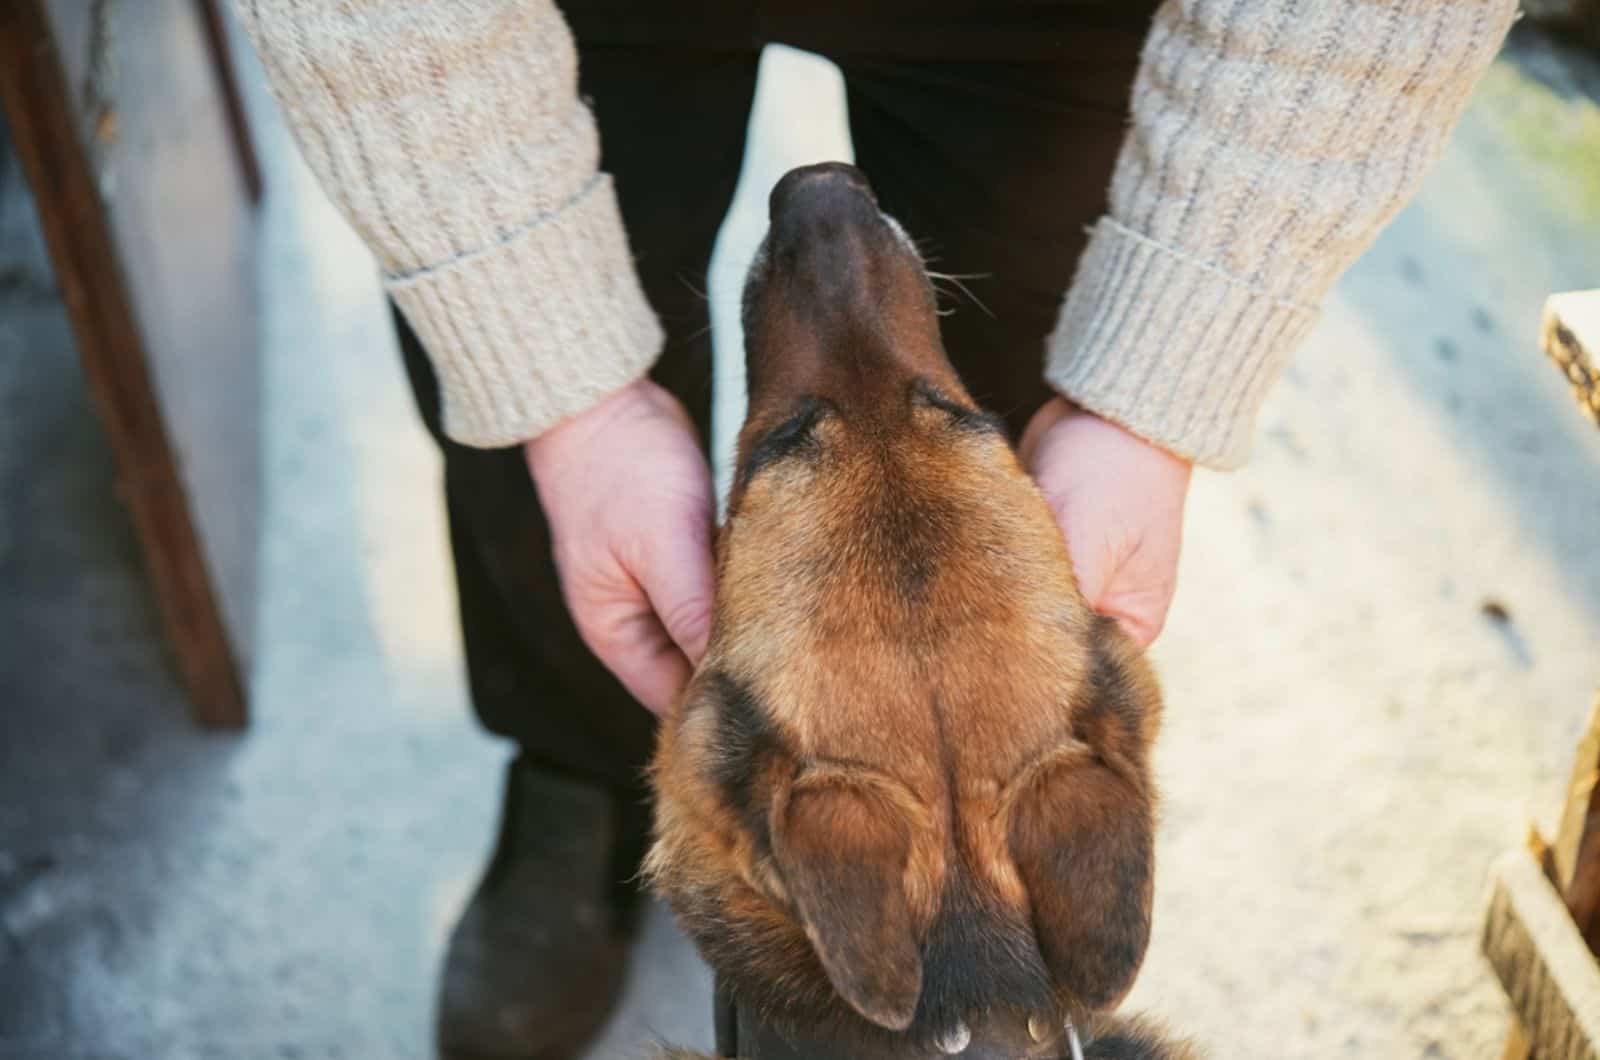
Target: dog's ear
(1082,829)
(842,852)
(1082,836)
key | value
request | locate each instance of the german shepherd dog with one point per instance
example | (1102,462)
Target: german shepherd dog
(904,807)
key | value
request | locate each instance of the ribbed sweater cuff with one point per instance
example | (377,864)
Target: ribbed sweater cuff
(1177,351)
(537,327)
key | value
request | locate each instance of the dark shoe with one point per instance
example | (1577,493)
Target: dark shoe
(536,961)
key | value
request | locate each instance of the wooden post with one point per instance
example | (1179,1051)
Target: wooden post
(1576,851)
(1570,336)
(1548,973)
(1571,868)
(78,229)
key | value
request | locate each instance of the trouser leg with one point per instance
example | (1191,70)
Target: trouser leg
(997,168)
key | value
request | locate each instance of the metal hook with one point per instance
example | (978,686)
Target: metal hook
(1073,1043)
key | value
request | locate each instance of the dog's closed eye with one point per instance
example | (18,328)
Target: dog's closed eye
(963,416)
(787,438)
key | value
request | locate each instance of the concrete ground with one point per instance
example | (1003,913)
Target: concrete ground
(1381,653)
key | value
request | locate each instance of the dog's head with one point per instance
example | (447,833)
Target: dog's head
(908,790)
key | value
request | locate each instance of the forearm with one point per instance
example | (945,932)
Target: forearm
(1270,143)
(451,136)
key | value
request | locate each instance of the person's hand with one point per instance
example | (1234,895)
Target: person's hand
(1119,501)
(627,492)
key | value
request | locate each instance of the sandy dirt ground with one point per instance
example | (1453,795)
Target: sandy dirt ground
(1353,734)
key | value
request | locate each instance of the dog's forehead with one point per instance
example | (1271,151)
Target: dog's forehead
(981,664)
(990,701)
(904,600)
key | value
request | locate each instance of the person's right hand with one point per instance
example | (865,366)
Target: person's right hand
(627,492)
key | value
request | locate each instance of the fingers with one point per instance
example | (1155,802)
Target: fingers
(643,605)
(677,580)
(1124,557)
(643,657)
(1141,613)
(1050,413)
(612,607)
(654,648)
(627,493)
(1119,501)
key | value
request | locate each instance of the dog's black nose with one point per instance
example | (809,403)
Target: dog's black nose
(825,179)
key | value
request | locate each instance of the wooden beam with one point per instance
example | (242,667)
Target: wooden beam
(1576,851)
(216,30)
(37,100)
(1572,862)
(1548,974)
(1570,335)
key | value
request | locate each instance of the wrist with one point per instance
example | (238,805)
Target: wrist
(579,433)
(1058,409)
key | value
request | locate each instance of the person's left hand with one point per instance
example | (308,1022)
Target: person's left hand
(1119,501)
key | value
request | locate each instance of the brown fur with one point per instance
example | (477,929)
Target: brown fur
(910,780)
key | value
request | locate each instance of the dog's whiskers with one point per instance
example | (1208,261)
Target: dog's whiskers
(956,279)
(696,291)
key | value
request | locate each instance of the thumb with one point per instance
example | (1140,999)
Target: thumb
(679,584)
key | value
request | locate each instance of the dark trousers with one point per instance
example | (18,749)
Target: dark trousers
(989,129)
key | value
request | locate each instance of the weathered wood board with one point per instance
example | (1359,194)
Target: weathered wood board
(1572,863)
(1548,974)
(1576,851)
(121,118)
(1570,336)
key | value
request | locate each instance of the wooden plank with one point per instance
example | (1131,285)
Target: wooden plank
(1572,862)
(1582,792)
(1576,851)
(177,196)
(1570,335)
(88,261)
(221,50)
(1548,974)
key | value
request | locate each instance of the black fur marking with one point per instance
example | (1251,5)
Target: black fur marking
(910,540)
(788,438)
(968,419)
(908,537)
(1107,696)
(1098,967)
(977,956)
(1135,1041)
(745,742)
(775,974)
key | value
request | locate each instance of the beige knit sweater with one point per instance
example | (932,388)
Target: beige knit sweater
(1270,141)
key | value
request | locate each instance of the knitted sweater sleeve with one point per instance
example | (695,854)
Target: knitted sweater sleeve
(451,135)
(1270,142)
